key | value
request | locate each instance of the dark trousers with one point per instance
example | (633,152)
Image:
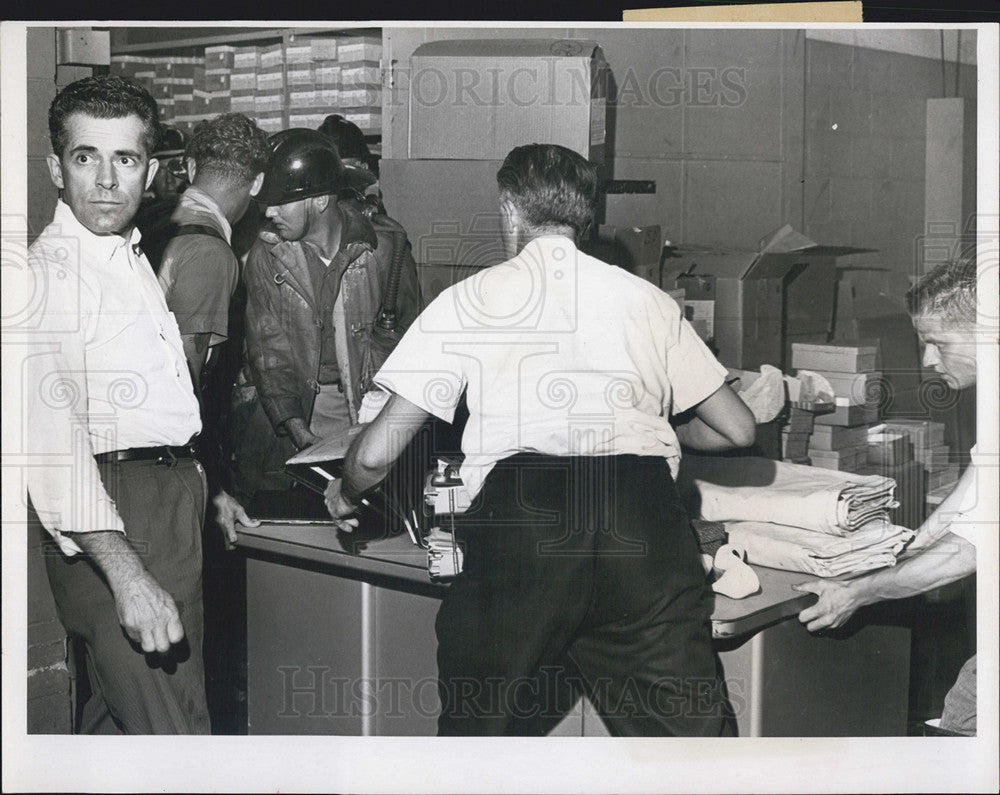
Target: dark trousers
(163,507)
(581,575)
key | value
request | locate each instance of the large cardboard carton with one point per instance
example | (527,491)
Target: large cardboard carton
(764,299)
(450,209)
(476,99)
(633,248)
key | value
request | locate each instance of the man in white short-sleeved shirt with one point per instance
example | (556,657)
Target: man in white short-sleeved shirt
(943,307)
(111,414)
(581,567)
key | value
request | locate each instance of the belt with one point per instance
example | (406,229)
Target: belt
(163,454)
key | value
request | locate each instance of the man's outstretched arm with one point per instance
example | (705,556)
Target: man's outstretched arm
(371,455)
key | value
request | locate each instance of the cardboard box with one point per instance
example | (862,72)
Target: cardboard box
(848,460)
(699,295)
(242,103)
(632,248)
(478,99)
(220,102)
(838,437)
(243,81)
(942,477)
(246,58)
(271,56)
(849,415)
(268,101)
(923,433)
(449,209)
(327,75)
(800,421)
(889,449)
(360,73)
(220,56)
(935,458)
(359,48)
(310,120)
(835,358)
(359,96)
(794,445)
(764,299)
(858,388)
(270,81)
(300,75)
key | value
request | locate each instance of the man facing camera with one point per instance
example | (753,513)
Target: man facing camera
(322,281)
(943,307)
(581,567)
(111,414)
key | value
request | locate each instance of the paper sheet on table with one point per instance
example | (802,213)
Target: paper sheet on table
(729,489)
(795,549)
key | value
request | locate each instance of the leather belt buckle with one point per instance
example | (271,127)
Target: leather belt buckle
(167,458)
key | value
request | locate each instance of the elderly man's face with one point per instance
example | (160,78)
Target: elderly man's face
(949,349)
(103,171)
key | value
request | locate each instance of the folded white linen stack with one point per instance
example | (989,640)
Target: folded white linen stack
(796,549)
(725,489)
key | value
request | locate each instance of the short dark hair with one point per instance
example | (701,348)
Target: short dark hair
(104,97)
(347,137)
(230,146)
(948,291)
(550,185)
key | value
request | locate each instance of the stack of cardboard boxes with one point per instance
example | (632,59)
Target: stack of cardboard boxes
(839,438)
(934,467)
(279,86)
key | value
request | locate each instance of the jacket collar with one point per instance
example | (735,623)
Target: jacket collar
(355,230)
(355,227)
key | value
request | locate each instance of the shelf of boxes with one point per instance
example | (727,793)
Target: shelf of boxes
(295,82)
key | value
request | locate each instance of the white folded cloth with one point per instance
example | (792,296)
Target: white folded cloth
(726,489)
(795,549)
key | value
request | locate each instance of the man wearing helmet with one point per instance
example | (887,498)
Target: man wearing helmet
(317,287)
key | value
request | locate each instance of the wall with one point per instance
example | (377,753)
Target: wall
(714,117)
(865,140)
(49,709)
(44,80)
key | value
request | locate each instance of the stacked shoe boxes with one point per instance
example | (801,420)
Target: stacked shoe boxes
(219,64)
(173,90)
(243,79)
(795,435)
(313,80)
(929,450)
(269,99)
(140,69)
(839,439)
(890,454)
(361,81)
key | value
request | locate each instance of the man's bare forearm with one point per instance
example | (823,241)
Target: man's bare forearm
(113,554)
(949,559)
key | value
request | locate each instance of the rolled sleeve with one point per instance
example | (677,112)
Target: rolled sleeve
(694,373)
(63,479)
(206,274)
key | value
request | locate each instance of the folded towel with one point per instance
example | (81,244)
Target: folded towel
(795,549)
(724,489)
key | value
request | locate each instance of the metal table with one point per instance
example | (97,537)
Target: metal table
(340,640)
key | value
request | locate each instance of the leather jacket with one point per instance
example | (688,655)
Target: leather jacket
(283,323)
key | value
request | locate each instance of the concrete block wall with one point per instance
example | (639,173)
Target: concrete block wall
(49,683)
(49,706)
